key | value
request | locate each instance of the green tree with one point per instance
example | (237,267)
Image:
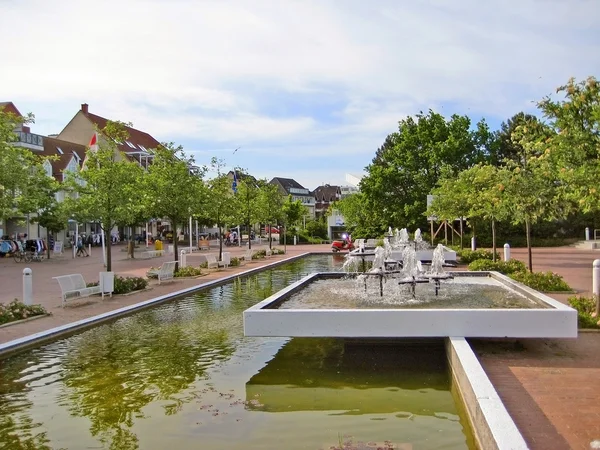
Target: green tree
(221,205)
(270,203)
(102,188)
(506,148)
(24,186)
(406,170)
(54,218)
(356,216)
(248,208)
(291,212)
(175,189)
(573,146)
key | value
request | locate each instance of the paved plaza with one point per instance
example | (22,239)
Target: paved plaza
(550,387)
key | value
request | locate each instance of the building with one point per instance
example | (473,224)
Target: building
(289,186)
(137,147)
(80,129)
(325,196)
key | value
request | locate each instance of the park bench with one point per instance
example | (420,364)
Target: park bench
(74,286)
(165,272)
(151,254)
(211,261)
(248,255)
(226,260)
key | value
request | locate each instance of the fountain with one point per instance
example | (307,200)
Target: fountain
(384,298)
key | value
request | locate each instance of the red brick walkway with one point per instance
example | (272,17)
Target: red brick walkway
(551,388)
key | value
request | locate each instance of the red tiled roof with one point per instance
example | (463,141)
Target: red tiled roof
(9,107)
(136,137)
(61,161)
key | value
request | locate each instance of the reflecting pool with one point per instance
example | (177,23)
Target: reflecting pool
(182,375)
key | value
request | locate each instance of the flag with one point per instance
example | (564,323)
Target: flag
(94,141)
(234,184)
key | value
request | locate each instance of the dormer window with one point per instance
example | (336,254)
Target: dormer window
(59,151)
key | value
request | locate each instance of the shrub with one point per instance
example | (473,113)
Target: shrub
(277,251)
(129,284)
(542,281)
(585,307)
(467,256)
(260,254)
(188,271)
(507,268)
(16,310)
(235,261)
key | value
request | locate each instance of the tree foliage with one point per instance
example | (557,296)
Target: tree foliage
(103,187)
(174,187)
(25,187)
(408,166)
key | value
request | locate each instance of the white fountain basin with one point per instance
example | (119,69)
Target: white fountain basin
(551,319)
(421,255)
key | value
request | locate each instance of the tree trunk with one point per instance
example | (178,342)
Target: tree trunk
(528,234)
(493,240)
(47,247)
(270,236)
(249,240)
(175,246)
(108,251)
(220,243)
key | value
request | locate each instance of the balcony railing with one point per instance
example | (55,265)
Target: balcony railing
(30,138)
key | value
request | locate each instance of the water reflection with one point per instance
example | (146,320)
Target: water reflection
(178,374)
(331,375)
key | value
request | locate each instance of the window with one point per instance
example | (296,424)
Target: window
(142,147)
(59,151)
(130,144)
(76,156)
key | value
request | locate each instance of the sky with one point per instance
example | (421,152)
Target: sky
(306,89)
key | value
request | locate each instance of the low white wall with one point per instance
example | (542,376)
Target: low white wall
(492,425)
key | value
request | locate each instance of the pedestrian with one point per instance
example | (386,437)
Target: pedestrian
(81,251)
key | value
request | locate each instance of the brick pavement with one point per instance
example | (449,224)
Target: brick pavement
(47,292)
(550,387)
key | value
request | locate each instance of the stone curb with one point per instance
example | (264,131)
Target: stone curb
(29,319)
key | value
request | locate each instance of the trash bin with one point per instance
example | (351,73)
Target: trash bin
(158,245)
(107,283)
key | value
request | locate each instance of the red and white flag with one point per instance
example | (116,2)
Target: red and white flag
(94,142)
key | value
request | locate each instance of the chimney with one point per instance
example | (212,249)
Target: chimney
(84,108)
(26,129)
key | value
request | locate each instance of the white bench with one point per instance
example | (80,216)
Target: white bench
(226,260)
(248,255)
(74,286)
(211,261)
(151,253)
(165,272)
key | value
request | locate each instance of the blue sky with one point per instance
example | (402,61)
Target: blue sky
(308,89)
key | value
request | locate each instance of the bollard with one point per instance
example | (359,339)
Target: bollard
(587,233)
(27,286)
(90,249)
(506,252)
(294,240)
(183,259)
(473,244)
(596,284)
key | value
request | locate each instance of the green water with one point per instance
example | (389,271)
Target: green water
(183,376)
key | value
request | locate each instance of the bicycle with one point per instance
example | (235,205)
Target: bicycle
(21,256)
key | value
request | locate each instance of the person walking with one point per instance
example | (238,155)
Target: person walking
(81,251)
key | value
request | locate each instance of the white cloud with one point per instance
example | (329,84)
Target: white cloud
(211,71)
